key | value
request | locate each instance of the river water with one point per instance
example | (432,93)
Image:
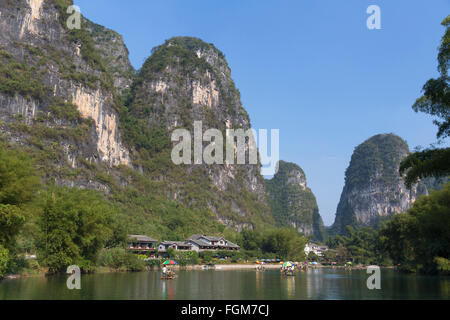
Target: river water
(323,283)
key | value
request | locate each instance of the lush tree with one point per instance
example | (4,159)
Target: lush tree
(286,243)
(283,243)
(187,258)
(397,236)
(329,255)
(251,240)
(171,253)
(442,265)
(361,245)
(4,258)
(341,253)
(11,221)
(206,256)
(18,185)
(312,256)
(18,179)
(120,259)
(436,102)
(418,239)
(436,98)
(75,224)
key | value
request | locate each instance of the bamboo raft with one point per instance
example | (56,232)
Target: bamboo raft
(169,276)
(289,273)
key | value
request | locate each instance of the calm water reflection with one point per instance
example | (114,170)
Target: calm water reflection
(234,285)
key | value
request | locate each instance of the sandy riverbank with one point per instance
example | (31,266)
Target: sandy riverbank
(266,267)
(243,266)
(232,267)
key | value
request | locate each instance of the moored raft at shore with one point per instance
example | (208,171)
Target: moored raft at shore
(169,276)
(289,273)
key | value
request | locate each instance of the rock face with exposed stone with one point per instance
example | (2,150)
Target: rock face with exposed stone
(184,81)
(292,203)
(373,187)
(76,93)
(31,34)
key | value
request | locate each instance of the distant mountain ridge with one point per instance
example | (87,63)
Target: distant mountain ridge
(373,187)
(292,203)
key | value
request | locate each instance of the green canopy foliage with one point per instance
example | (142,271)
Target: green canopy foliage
(435,101)
(436,98)
(18,185)
(418,238)
(291,203)
(381,153)
(282,243)
(75,225)
(426,163)
(4,258)
(360,245)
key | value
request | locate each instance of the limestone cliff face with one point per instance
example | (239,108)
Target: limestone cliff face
(292,203)
(112,49)
(187,80)
(373,187)
(31,33)
(62,92)
(92,104)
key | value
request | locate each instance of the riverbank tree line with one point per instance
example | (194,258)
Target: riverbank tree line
(414,241)
(65,226)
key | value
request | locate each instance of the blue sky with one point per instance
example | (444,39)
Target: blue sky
(309,68)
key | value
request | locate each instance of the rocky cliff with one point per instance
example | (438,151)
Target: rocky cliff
(73,100)
(292,203)
(373,188)
(114,53)
(45,68)
(187,80)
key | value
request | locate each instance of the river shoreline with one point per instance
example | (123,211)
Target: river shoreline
(320,284)
(224,267)
(267,267)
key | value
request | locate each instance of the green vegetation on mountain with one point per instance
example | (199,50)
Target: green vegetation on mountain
(70,226)
(145,120)
(180,54)
(141,206)
(292,203)
(373,188)
(146,193)
(41,154)
(379,154)
(81,36)
(16,77)
(113,52)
